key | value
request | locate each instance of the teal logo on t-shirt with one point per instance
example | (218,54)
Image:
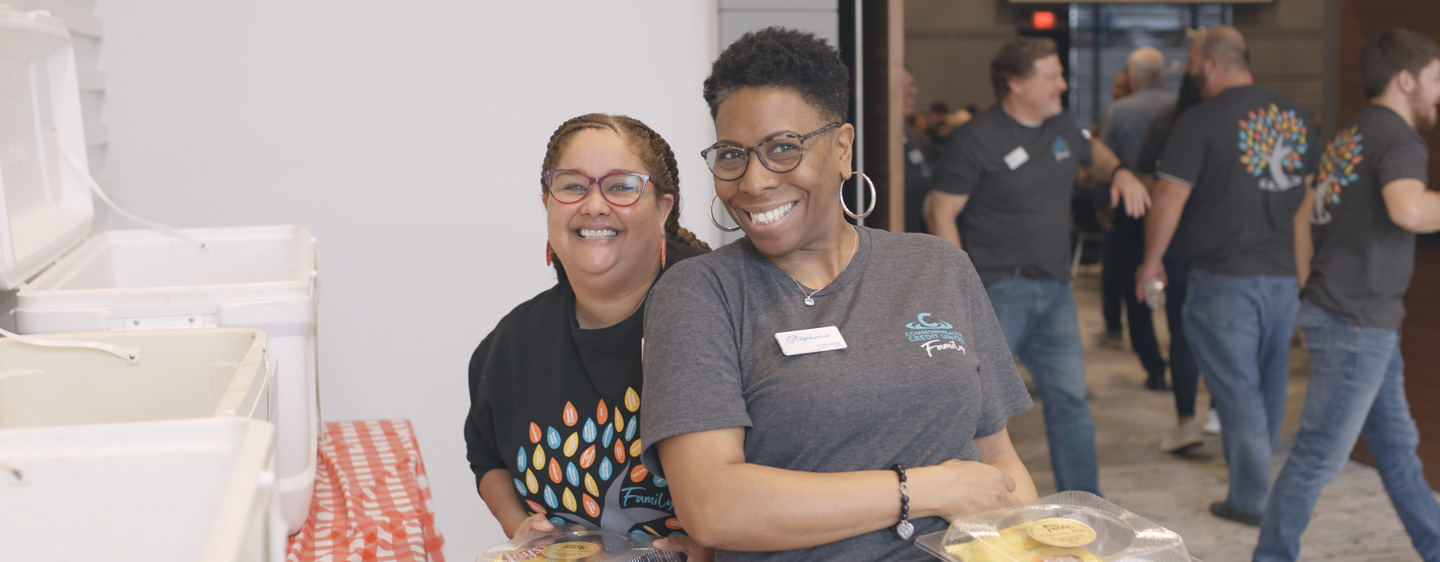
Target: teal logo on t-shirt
(934,335)
(1061,149)
(921,323)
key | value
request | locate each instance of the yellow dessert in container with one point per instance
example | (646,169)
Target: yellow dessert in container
(1054,539)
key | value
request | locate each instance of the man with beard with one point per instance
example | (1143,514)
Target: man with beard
(1237,208)
(1371,201)
(1012,171)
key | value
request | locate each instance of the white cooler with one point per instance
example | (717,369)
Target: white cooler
(68,280)
(200,489)
(104,457)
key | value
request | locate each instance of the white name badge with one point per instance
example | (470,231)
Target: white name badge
(800,342)
(1017,157)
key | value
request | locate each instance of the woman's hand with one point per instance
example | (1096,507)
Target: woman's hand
(536,522)
(956,488)
(681,543)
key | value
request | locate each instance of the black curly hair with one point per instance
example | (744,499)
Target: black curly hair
(782,58)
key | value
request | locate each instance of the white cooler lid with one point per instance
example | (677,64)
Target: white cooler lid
(45,205)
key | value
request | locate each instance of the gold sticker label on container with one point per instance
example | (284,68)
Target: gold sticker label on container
(1062,532)
(574,550)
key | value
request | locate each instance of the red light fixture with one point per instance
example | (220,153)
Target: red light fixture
(1043,20)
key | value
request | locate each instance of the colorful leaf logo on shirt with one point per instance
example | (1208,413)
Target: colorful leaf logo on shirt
(597,476)
(1274,142)
(1337,171)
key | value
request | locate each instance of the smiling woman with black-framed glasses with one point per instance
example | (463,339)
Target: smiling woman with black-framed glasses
(816,390)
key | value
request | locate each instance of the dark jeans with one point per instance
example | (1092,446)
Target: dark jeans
(1124,250)
(1184,372)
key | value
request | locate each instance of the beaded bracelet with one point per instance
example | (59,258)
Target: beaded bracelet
(904,528)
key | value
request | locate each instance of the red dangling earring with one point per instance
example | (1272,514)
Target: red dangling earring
(549,253)
(662,255)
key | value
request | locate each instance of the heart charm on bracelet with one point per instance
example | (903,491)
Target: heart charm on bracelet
(905,529)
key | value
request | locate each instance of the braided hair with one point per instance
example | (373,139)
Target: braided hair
(653,151)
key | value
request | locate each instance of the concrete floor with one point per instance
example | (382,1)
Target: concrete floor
(1354,520)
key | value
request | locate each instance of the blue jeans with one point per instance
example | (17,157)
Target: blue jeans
(1239,327)
(1039,320)
(1357,389)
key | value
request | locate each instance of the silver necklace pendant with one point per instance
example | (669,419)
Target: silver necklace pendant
(809,301)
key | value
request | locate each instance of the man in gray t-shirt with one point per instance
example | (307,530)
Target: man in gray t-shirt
(1235,204)
(1011,171)
(1123,129)
(1370,200)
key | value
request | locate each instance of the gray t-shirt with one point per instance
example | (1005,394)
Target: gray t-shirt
(1020,180)
(1246,154)
(1363,260)
(926,369)
(1127,119)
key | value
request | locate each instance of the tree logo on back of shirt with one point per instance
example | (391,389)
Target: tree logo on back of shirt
(1337,171)
(1272,144)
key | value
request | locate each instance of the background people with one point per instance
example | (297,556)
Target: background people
(1011,171)
(555,388)
(1123,130)
(1184,372)
(1371,200)
(918,158)
(793,447)
(1241,216)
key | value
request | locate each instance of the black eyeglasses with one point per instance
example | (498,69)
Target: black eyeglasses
(619,188)
(779,154)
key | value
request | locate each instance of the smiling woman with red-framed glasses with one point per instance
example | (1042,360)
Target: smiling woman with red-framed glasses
(553,429)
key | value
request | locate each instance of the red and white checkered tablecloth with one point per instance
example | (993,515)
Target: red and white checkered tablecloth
(372,499)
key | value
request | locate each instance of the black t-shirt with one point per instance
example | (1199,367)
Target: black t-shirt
(1020,180)
(1245,155)
(1363,260)
(1148,159)
(558,407)
(918,156)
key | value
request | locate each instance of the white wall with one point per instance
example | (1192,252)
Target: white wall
(408,136)
(816,16)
